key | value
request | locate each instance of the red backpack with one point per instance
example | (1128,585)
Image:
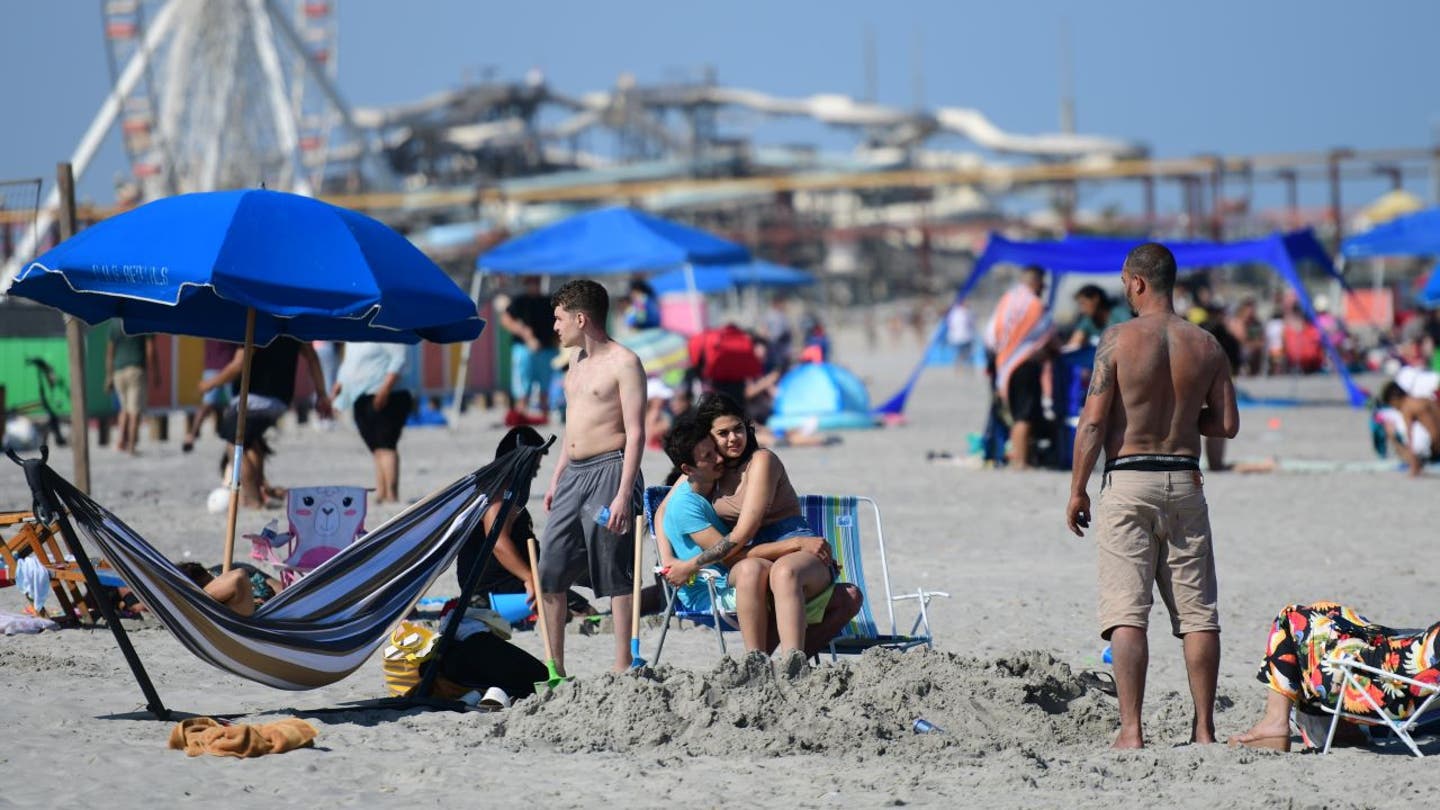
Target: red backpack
(725,355)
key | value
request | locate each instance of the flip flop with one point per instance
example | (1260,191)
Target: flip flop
(1099,681)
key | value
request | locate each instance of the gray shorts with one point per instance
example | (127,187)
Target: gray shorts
(574,543)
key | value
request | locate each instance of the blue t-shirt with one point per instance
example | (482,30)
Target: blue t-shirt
(688,513)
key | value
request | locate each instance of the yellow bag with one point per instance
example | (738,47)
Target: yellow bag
(410,646)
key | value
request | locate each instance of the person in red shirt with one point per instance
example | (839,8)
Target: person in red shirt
(1304,350)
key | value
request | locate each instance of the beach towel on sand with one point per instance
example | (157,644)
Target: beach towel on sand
(205,735)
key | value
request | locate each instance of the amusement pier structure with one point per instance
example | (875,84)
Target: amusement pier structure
(209,95)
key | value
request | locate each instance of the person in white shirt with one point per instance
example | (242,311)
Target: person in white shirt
(369,377)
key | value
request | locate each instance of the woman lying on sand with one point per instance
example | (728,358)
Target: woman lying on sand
(1301,640)
(755,498)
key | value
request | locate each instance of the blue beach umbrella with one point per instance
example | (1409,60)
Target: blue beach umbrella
(247,266)
(198,264)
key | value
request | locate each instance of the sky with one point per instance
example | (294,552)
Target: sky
(1223,76)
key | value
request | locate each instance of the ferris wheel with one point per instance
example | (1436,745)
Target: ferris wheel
(228,94)
(215,94)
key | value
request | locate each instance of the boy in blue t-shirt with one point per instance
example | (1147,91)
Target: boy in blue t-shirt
(695,532)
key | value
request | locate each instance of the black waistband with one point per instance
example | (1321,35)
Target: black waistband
(1153,462)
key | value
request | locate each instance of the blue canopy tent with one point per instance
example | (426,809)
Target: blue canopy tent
(1104,255)
(610,241)
(718,278)
(1416,234)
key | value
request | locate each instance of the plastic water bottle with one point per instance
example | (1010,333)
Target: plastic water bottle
(923,726)
(602,517)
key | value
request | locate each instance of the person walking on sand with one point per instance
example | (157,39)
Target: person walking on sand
(1159,384)
(129,362)
(369,382)
(599,469)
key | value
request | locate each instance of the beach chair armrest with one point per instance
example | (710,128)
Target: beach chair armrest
(704,574)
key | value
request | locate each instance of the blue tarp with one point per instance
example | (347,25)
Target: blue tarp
(1416,234)
(717,278)
(1079,254)
(609,241)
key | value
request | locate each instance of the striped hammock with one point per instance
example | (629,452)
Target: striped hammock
(321,628)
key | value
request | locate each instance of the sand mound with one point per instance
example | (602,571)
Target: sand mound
(865,707)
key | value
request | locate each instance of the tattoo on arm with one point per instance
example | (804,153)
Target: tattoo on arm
(1103,376)
(715,553)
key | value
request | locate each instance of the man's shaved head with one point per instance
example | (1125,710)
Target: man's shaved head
(1155,263)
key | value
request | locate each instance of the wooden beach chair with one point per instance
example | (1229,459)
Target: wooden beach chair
(838,519)
(32,537)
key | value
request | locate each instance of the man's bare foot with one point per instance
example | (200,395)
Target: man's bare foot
(1128,740)
(1275,737)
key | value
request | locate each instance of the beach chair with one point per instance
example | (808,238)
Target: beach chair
(323,520)
(1347,668)
(837,518)
(714,619)
(37,540)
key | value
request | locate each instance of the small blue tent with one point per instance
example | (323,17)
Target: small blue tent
(1416,234)
(823,395)
(609,241)
(1078,254)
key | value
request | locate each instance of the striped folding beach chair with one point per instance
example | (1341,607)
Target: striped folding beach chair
(837,518)
(713,618)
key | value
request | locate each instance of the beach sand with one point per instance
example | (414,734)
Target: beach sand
(1020,728)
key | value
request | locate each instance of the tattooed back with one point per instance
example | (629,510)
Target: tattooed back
(1163,369)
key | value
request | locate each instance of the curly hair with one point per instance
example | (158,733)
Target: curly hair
(583,295)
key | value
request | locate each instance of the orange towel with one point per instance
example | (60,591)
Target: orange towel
(204,735)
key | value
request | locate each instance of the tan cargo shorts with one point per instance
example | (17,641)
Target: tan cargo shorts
(1153,528)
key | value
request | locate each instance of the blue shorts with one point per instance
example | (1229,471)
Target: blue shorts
(530,369)
(784,529)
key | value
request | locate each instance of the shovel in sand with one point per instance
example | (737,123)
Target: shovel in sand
(636,662)
(555,678)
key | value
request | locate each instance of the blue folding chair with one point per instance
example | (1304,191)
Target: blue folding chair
(713,618)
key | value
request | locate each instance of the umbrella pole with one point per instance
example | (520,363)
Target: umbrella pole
(239,456)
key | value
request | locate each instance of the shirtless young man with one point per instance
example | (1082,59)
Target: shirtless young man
(1160,383)
(600,468)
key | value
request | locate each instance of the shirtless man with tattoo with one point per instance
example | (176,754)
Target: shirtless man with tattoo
(1160,383)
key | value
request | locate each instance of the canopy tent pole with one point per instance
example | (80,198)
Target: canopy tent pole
(462,374)
(693,291)
(238,458)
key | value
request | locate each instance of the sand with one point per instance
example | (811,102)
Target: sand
(1020,728)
